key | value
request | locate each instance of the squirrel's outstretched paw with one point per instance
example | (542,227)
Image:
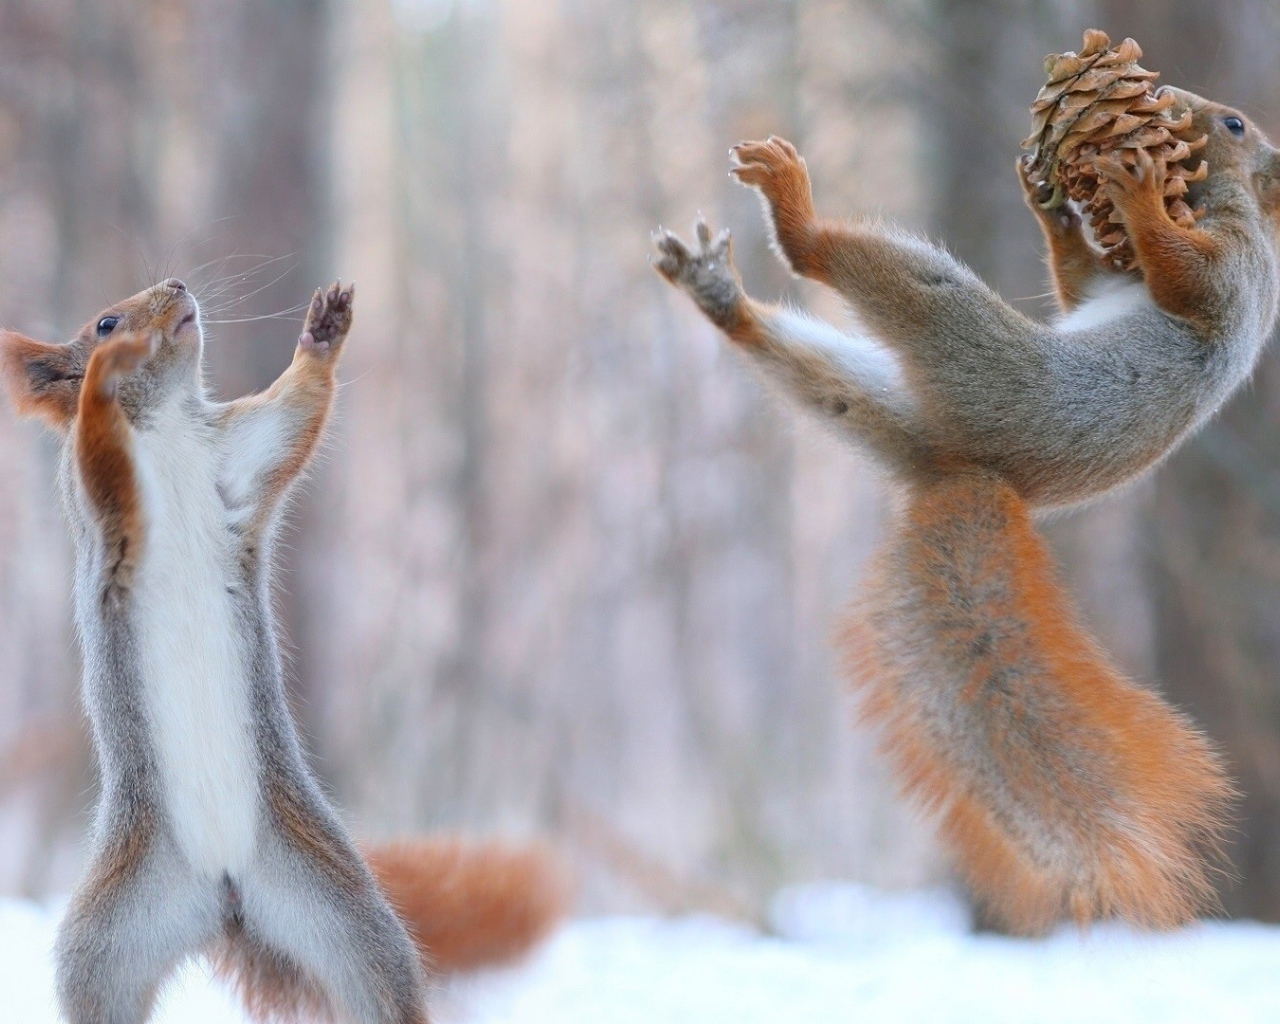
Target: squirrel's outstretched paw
(679,263)
(777,170)
(707,274)
(328,319)
(760,164)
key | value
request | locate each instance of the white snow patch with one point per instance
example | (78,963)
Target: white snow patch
(840,953)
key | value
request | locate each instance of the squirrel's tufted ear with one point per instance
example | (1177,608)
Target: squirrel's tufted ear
(42,380)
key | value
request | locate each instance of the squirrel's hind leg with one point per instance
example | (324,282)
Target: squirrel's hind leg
(316,931)
(851,382)
(137,915)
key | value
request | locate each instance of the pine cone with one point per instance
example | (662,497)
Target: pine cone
(1096,101)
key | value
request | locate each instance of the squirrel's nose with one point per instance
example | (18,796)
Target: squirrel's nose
(175,284)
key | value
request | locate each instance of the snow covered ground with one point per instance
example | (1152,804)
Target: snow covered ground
(840,954)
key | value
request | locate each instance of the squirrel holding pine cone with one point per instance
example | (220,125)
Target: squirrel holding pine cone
(1063,788)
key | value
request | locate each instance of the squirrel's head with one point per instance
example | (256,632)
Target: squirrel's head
(43,379)
(1237,150)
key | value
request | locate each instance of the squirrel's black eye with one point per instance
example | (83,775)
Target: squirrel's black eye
(106,325)
(1234,125)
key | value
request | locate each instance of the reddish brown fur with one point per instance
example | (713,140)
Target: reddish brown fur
(104,451)
(827,251)
(111,876)
(777,166)
(1182,267)
(270,987)
(298,825)
(305,389)
(45,380)
(814,247)
(122,859)
(1065,789)
(59,369)
(471,905)
(1175,260)
(746,326)
(1130,796)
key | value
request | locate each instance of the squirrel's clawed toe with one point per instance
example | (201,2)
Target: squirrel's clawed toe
(675,254)
(1061,220)
(1037,192)
(759,164)
(679,263)
(778,172)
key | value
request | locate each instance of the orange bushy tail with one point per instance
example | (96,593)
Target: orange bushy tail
(470,905)
(1063,788)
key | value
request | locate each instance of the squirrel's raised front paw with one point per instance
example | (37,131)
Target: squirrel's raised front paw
(707,274)
(328,319)
(777,170)
(120,357)
(762,164)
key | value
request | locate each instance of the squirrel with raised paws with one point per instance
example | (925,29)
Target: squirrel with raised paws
(1064,789)
(211,834)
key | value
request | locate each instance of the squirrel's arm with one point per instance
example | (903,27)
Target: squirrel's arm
(1074,261)
(852,382)
(911,295)
(272,436)
(1181,265)
(104,453)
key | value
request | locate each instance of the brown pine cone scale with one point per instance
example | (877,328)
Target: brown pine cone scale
(1099,101)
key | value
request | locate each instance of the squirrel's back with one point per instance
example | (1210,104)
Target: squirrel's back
(1068,410)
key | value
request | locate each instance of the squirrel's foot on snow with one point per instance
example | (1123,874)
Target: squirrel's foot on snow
(328,320)
(707,274)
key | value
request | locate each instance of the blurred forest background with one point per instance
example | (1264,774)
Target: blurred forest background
(565,570)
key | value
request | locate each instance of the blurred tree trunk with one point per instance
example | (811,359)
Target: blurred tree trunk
(583,571)
(1212,552)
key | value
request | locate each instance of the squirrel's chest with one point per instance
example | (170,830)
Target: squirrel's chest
(193,660)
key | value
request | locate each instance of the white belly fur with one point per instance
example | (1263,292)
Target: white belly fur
(193,667)
(1107,301)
